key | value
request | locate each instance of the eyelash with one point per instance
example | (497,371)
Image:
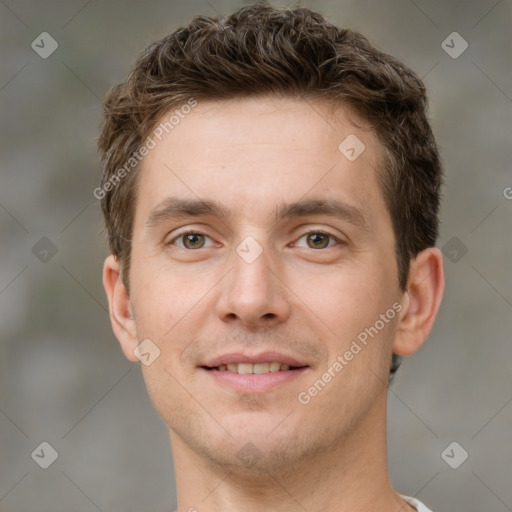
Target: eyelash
(195,232)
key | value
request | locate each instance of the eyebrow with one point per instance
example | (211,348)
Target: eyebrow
(174,208)
(329,207)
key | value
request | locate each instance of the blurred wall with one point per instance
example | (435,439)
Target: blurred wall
(63,378)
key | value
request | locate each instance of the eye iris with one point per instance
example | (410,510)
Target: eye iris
(193,241)
(319,240)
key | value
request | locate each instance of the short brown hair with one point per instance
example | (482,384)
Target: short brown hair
(261,50)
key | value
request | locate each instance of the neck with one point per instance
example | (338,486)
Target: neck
(351,475)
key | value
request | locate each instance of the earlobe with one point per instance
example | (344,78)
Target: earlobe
(120,309)
(421,301)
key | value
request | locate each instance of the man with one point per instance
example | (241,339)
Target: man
(271,191)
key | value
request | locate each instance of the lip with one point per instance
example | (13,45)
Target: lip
(254,383)
(261,357)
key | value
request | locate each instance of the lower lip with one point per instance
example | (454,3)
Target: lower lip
(252,382)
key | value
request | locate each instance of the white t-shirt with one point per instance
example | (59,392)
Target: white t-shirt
(415,503)
(412,501)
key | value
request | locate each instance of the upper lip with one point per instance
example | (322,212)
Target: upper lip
(261,357)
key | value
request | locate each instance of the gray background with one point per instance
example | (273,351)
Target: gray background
(63,378)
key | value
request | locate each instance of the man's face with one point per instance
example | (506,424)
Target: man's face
(274,280)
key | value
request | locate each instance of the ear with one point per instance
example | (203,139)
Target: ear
(425,290)
(121,314)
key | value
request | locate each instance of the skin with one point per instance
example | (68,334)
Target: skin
(250,155)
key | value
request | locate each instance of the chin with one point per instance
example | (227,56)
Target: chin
(256,459)
(259,448)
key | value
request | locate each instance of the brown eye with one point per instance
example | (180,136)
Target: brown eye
(191,240)
(318,240)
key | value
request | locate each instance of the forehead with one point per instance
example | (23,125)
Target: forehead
(273,121)
(251,152)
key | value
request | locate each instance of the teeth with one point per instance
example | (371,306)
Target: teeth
(275,367)
(245,368)
(258,368)
(261,368)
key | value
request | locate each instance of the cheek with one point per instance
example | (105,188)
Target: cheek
(157,300)
(170,306)
(344,295)
(346,304)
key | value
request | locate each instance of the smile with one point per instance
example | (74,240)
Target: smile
(249,368)
(255,373)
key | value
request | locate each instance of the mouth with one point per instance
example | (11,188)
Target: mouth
(254,369)
(257,373)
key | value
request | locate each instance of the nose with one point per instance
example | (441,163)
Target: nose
(253,294)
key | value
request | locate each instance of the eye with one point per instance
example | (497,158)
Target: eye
(190,240)
(318,240)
